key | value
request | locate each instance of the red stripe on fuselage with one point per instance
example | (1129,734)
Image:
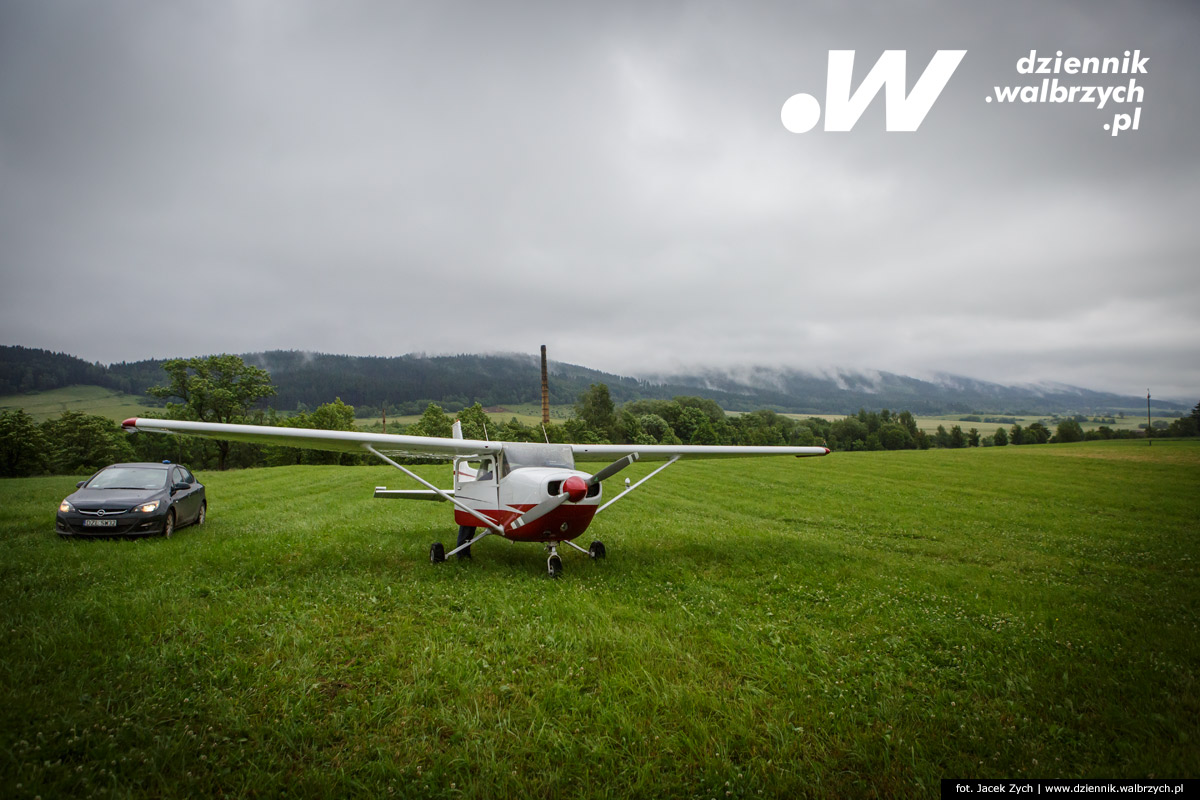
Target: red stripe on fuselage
(549,528)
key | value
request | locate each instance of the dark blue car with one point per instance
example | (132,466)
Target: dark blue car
(133,500)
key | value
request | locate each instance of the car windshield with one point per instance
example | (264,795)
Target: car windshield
(129,478)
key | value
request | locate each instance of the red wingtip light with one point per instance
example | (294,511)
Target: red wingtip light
(575,488)
(130,423)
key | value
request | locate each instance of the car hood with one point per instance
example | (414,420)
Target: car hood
(109,498)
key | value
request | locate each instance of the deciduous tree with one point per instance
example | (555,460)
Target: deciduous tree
(596,410)
(213,389)
(1069,431)
(84,442)
(22,446)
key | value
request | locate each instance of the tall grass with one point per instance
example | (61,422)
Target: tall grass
(859,625)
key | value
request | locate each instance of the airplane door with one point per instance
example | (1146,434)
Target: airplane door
(482,493)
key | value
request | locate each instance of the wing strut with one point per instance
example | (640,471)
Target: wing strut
(487,523)
(639,483)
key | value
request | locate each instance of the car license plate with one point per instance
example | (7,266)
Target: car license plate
(99,523)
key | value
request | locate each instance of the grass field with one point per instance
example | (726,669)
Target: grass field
(859,625)
(84,399)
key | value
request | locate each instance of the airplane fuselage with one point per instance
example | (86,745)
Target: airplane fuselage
(504,500)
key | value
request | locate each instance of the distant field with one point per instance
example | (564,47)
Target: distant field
(930,424)
(526,414)
(863,624)
(84,399)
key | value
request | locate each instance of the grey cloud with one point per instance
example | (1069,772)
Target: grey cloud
(613,181)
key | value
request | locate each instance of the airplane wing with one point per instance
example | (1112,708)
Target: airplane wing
(397,445)
(389,444)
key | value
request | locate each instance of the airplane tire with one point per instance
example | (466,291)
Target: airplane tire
(554,564)
(597,550)
(437,553)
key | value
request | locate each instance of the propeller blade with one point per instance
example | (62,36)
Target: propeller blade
(567,490)
(612,469)
(537,512)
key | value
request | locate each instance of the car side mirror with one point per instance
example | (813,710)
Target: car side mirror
(80,484)
(179,486)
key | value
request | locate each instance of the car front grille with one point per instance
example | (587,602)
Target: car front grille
(123,527)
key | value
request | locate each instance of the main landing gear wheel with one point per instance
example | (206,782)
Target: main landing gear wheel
(437,553)
(596,550)
(554,564)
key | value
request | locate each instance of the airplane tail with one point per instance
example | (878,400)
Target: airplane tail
(462,470)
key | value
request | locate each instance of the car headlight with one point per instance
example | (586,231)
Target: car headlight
(65,507)
(146,508)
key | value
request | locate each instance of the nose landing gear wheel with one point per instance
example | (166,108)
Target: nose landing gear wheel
(554,565)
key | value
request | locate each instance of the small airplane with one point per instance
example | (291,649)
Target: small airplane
(524,492)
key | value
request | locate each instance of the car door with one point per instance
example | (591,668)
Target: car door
(195,491)
(186,501)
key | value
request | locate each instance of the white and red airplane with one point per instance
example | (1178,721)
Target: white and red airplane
(524,492)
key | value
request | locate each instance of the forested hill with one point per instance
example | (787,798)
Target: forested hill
(406,384)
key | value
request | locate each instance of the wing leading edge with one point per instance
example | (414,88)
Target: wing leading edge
(337,441)
(435,447)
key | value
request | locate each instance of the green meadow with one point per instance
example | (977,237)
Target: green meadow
(859,625)
(84,399)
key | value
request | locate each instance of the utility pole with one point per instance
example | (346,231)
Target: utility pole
(545,391)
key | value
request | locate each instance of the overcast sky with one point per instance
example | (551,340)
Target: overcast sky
(610,179)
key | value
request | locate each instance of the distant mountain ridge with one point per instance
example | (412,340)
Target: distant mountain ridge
(406,384)
(845,391)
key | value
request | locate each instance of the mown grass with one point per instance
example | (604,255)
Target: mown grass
(859,625)
(84,399)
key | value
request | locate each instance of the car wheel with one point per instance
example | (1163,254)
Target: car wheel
(169,525)
(202,513)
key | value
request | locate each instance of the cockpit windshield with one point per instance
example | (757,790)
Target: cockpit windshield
(523,454)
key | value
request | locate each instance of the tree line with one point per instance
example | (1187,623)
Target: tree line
(226,389)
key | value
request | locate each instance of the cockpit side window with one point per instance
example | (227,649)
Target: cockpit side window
(487,470)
